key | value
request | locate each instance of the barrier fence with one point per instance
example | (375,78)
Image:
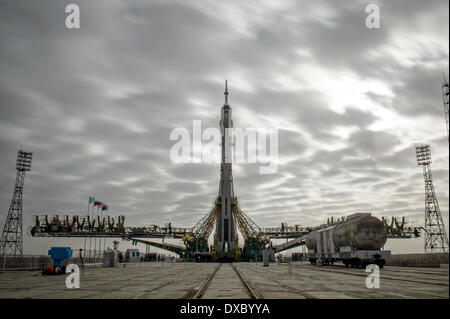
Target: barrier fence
(424,262)
(38,262)
(25,263)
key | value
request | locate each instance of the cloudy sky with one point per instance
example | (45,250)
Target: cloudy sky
(96,106)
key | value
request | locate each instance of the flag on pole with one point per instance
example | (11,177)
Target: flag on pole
(91,200)
(101,205)
(105,207)
(97,203)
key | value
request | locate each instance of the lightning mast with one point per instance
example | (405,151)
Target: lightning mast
(445,97)
(11,243)
(436,240)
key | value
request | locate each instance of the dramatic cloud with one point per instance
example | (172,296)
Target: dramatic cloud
(96,105)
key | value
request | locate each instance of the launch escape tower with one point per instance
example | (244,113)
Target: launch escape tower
(11,243)
(436,240)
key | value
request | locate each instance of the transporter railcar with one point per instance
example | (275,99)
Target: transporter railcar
(357,241)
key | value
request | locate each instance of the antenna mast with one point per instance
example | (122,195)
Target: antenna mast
(445,97)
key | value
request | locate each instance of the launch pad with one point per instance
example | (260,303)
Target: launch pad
(226,217)
(185,280)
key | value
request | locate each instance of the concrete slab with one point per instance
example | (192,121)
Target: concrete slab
(168,281)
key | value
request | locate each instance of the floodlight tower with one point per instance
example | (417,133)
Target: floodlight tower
(445,97)
(11,243)
(436,240)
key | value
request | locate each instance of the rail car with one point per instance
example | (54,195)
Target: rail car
(356,242)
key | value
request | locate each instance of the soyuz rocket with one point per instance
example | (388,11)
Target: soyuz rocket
(226,236)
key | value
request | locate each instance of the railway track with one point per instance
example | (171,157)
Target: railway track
(205,285)
(199,294)
(249,289)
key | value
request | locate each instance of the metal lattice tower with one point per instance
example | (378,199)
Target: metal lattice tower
(436,240)
(11,243)
(445,97)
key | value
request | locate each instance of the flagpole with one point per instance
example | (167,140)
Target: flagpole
(95,249)
(100,240)
(104,240)
(95,239)
(89,205)
(90,238)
